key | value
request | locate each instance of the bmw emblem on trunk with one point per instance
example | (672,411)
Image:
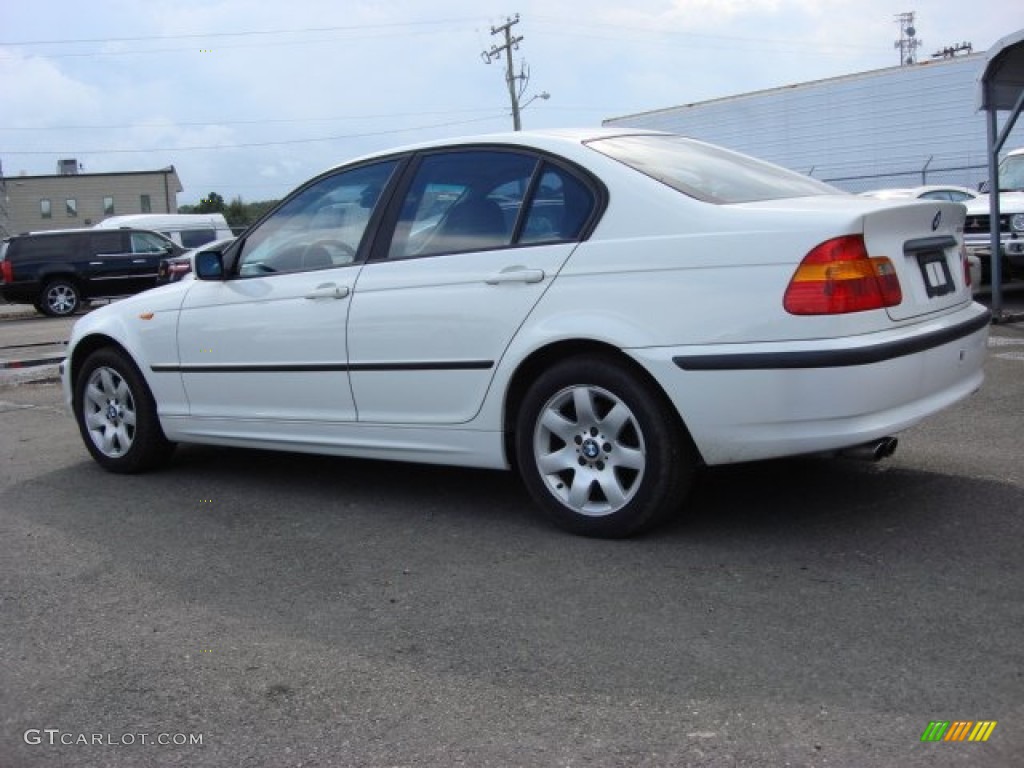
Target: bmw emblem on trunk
(936,221)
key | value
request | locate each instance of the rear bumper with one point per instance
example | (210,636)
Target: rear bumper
(744,402)
(16,293)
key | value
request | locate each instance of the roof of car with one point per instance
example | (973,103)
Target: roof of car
(85,230)
(542,139)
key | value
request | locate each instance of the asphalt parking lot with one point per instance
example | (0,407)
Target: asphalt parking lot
(273,610)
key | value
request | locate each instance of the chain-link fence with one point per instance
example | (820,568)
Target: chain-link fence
(967,171)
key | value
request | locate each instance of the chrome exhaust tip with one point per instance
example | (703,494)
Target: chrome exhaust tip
(873,450)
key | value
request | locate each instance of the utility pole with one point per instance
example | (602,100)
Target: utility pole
(510,74)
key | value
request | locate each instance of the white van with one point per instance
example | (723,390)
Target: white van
(189,230)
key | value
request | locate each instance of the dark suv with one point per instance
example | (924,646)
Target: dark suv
(57,271)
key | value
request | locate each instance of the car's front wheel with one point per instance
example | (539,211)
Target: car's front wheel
(116,414)
(60,298)
(601,450)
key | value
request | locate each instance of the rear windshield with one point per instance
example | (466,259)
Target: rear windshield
(707,172)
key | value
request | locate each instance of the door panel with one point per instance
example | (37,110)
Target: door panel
(260,349)
(425,334)
(109,265)
(268,343)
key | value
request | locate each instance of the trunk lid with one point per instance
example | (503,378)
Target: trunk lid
(924,241)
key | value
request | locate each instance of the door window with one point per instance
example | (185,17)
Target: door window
(193,238)
(320,227)
(560,208)
(107,242)
(147,242)
(462,201)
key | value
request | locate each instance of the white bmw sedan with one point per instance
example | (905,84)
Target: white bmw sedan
(602,311)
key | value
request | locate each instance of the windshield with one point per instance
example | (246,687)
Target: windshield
(707,172)
(1011,173)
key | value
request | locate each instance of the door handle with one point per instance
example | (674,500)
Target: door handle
(328,291)
(516,275)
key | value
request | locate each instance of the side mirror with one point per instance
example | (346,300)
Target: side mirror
(983,187)
(209,265)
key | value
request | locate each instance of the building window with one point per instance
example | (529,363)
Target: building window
(108,206)
(71,206)
(45,209)
(145,204)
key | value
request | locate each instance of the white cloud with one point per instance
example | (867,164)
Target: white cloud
(407,77)
(36,94)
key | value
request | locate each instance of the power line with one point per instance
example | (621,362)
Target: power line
(274,121)
(72,152)
(203,35)
(572,28)
(262,44)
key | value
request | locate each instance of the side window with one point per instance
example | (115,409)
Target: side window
(106,242)
(559,208)
(320,227)
(193,238)
(45,209)
(71,206)
(108,206)
(462,201)
(56,247)
(146,242)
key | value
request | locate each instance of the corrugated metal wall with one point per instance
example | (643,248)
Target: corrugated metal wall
(897,127)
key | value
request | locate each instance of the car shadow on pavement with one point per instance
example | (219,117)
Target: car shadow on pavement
(801,498)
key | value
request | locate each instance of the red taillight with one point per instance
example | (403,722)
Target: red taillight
(967,267)
(838,276)
(6,272)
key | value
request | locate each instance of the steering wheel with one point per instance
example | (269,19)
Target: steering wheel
(320,253)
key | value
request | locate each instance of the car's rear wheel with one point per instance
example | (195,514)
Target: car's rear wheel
(601,450)
(60,298)
(116,414)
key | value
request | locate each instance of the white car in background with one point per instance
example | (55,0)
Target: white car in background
(602,311)
(189,230)
(953,194)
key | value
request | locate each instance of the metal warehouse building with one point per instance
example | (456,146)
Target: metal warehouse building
(896,127)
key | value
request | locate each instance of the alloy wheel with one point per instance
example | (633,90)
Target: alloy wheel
(590,450)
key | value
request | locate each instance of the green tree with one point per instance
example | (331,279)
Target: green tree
(212,203)
(237,213)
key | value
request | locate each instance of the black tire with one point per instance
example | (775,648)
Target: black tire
(60,298)
(116,414)
(601,450)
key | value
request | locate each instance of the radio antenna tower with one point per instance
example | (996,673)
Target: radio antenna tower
(908,42)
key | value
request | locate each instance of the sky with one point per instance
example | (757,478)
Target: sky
(250,98)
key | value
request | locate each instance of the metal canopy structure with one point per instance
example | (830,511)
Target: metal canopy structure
(1000,88)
